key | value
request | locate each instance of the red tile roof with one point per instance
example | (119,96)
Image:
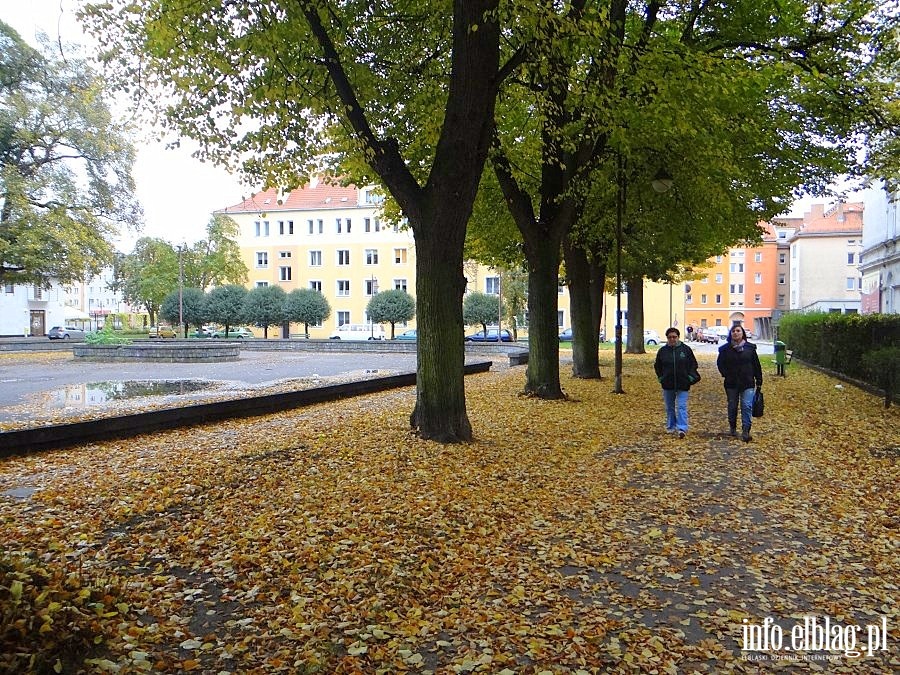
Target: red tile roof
(308,197)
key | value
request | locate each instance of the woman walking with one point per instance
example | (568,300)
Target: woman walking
(676,370)
(739,364)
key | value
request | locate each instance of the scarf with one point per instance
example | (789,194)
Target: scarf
(738,346)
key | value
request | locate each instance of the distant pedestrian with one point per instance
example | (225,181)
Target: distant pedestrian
(690,333)
(739,364)
(676,370)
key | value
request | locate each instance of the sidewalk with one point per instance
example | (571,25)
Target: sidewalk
(571,536)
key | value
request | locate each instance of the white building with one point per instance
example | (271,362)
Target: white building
(880,260)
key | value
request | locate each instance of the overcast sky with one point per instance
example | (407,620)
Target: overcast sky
(178,192)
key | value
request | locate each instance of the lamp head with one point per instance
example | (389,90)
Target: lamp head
(662,181)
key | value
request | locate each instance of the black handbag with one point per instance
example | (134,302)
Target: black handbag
(759,403)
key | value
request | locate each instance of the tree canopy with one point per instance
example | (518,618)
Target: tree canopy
(263,306)
(393,306)
(66,187)
(306,306)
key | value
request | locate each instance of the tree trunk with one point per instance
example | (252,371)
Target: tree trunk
(440,411)
(542,375)
(635,316)
(585,327)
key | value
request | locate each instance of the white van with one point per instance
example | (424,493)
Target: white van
(359,331)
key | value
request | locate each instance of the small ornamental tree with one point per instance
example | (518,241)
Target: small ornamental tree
(393,307)
(225,305)
(192,308)
(264,307)
(306,306)
(480,309)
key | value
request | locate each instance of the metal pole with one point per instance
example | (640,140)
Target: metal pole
(180,288)
(620,207)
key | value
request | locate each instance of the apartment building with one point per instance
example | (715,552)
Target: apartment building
(880,257)
(741,286)
(824,262)
(328,238)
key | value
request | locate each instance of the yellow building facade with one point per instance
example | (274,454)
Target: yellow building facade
(330,238)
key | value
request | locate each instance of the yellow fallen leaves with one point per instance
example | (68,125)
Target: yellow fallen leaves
(570,537)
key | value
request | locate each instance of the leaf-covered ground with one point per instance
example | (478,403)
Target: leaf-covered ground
(571,536)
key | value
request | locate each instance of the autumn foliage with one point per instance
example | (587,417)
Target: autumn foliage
(571,536)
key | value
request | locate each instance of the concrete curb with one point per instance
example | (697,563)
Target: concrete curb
(27,441)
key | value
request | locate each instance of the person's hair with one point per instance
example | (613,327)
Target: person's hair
(673,330)
(743,332)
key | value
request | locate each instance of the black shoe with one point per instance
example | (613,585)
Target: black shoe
(680,434)
(745,436)
(732,432)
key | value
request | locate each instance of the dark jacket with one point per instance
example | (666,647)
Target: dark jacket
(741,369)
(676,367)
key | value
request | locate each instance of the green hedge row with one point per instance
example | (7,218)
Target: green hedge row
(862,346)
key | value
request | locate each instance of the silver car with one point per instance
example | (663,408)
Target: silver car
(65,333)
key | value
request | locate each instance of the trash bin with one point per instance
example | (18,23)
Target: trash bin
(780,357)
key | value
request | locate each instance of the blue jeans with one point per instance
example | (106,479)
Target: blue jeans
(676,409)
(745,396)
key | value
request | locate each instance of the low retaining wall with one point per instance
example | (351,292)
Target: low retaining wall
(26,441)
(169,352)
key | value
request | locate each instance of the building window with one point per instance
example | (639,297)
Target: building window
(781,280)
(262,259)
(757,278)
(343,257)
(284,273)
(343,318)
(262,284)
(347,223)
(851,258)
(337,222)
(689,299)
(400,285)
(377,225)
(782,235)
(737,267)
(321,224)
(343,287)
(851,283)
(281,227)
(315,258)
(781,298)
(757,299)
(367,224)
(703,298)
(719,278)
(782,258)
(316,286)
(310,223)
(758,256)
(9,288)
(718,299)
(371,287)
(284,254)
(400,256)
(492,285)
(371,256)
(718,258)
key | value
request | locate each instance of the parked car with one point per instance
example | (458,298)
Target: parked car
(706,335)
(651,337)
(240,332)
(162,332)
(359,331)
(65,333)
(505,336)
(566,336)
(205,332)
(723,333)
(410,334)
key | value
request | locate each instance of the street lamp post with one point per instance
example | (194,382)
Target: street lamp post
(180,287)
(620,208)
(374,290)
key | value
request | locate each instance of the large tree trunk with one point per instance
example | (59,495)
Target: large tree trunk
(635,316)
(440,411)
(542,376)
(585,326)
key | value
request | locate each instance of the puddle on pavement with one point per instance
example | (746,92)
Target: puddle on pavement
(100,393)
